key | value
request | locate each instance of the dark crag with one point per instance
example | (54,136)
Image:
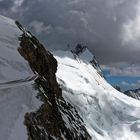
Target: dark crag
(55,119)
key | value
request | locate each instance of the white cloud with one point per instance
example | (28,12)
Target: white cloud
(129,85)
(131,30)
(124,83)
(40,27)
(17,4)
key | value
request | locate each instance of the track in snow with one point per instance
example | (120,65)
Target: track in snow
(20,82)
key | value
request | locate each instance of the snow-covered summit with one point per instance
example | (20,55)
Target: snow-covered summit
(83,53)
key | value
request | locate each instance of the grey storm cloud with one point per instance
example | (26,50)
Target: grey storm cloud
(6,4)
(109,27)
(124,69)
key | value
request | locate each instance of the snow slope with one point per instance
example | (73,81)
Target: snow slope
(12,65)
(107,113)
(17,95)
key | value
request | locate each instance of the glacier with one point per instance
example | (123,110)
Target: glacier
(107,113)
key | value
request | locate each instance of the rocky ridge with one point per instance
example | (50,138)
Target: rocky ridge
(56,118)
(133,93)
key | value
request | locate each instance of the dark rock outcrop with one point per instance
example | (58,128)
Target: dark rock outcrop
(56,118)
(133,93)
(117,88)
(79,49)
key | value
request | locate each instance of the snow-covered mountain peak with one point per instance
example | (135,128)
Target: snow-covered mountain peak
(82,53)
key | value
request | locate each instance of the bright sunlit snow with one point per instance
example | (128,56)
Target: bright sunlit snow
(107,113)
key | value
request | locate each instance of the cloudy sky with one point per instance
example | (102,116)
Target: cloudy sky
(111,29)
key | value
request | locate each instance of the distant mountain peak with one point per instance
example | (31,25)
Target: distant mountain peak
(82,52)
(134,93)
(79,49)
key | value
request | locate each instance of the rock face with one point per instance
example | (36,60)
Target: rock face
(56,118)
(79,49)
(133,93)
